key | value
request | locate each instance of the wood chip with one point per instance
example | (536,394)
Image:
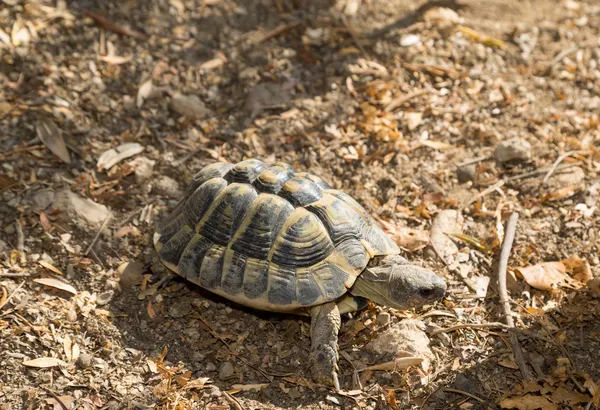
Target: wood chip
(44,362)
(51,267)
(57,284)
(113,156)
(52,138)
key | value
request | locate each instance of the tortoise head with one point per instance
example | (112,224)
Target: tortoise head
(392,281)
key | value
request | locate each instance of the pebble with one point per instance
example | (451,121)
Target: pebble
(226,370)
(143,169)
(466,173)
(85,360)
(446,221)
(567,177)
(210,367)
(513,150)
(167,186)
(81,211)
(131,273)
(383,319)
(189,106)
(410,40)
(407,336)
(105,297)
(71,315)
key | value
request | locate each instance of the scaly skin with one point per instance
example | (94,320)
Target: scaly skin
(324,328)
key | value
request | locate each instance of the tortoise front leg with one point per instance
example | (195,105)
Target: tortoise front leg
(324,328)
(161,275)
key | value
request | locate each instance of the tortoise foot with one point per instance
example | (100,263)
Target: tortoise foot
(161,275)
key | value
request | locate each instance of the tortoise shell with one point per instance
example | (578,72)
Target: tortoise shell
(269,237)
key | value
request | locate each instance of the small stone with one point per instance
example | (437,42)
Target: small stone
(210,367)
(226,370)
(104,298)
(466,173)
(167,186)
(85,360)
(410,40)
(189,106)
(406,338)
(143,169)
(383,319)
(71,315)
(513,150)
(9,229)
(81,211)
(569,177)
(131,273)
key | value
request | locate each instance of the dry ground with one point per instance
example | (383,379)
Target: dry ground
(384,101)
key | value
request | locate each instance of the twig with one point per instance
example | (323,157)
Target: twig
(58,399)
(354,36)
(509,237)
(473,161)
(536,172)
(20,237)
(233,401)
(571,50)
(279,30)
(470,326)
(11,295)
(14,275)
(558,161)
(108,217)
(483,193)
(464,393)
(396,103)
(110,26)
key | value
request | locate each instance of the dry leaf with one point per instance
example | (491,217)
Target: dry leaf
(113,156)
(189,106)
(398,364)
(544,276)
(569,397)
(199,383)
(115,60)
(52,138)
(409,239)
(247,387)
(68,348)
(439,145)
(4,297)
(594,286)
(59,402)
(150,310)
(560,194)
(51,267)
(143,93)
(44,362)
(57,284)
(579,268)
(528,402)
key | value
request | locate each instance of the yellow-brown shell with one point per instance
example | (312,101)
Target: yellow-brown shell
(269,237)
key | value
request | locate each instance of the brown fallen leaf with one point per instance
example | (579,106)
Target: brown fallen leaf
(248,387)
(594,286)
(59,402)
(51,137)
(544,276)
(409,239)
(116,60)
(528,402)
(398,364)
(4,297)
(569,397)
(113,156)
(44,362)
(560,194)
(579,268)
(51,267)
(57,284)
(199,383)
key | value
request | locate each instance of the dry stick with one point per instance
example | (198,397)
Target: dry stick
(405,98)
(537,172)
(108,217)
(470,326)
(473,161)
(233,401)
(14,275)
(110,26)
(12,294)
(279,30)
(464,393)
(509,237)
(354,36)
(483,193)
(558,161)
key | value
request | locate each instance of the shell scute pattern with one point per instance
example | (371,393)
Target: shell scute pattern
(269,237)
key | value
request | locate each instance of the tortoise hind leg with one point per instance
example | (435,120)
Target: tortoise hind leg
(161,275)
(324,328)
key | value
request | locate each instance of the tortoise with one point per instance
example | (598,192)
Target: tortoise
(271,238)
